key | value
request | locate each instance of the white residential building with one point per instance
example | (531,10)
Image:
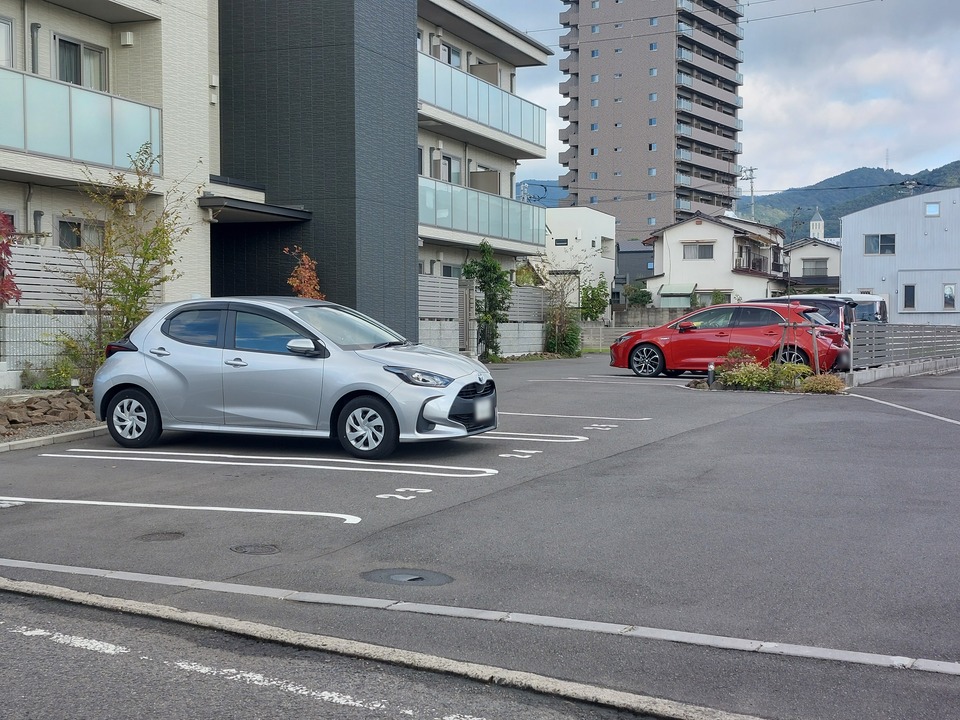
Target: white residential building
(715,258)
(907,251)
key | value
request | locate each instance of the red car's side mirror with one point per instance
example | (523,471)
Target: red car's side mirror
(686,325)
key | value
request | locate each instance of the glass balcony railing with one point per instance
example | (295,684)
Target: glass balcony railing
(58,119)
(466,95)
(460,208)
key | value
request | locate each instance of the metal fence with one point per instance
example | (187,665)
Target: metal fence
(31,339)
(873,344)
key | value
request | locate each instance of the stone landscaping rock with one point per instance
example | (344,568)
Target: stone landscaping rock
(18,412)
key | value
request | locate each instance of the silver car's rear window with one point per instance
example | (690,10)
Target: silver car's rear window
(347,328)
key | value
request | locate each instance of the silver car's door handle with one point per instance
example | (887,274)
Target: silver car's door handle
(159,352)
(236,362)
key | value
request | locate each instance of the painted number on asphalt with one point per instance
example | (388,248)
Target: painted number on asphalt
(599,426)
(521,453)
(404,490)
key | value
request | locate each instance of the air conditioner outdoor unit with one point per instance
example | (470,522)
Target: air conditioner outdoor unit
(738,263)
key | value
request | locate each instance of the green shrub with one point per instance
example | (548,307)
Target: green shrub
(827,384)
(55,377)
(748,376)
(564,340)
(787,375)
(740,372)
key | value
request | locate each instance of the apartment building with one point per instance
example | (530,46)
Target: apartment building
(652,109)
(473,129)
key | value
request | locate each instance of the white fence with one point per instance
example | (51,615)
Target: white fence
(874,344)
(43,274)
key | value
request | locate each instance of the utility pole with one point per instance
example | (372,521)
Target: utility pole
(747,174)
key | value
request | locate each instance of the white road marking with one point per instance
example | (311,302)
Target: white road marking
(903,407)
(622,630)
(574,417)
(531,437)
(280,461)
(348,519)
(72,641)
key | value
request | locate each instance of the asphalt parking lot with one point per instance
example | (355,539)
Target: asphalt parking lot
(778,555)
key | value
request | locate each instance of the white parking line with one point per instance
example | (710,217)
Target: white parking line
(574,417)
(349,519)
(623,630)
(531,437)
(280,461)
(903,407)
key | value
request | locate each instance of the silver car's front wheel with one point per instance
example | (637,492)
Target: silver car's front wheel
(133,419)
(367,428)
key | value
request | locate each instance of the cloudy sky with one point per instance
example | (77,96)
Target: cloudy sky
(850,85)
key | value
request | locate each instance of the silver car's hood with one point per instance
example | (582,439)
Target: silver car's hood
(424,357)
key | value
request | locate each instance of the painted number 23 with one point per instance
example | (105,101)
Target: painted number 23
(405,490)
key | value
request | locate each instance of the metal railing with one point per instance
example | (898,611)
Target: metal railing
(873,344)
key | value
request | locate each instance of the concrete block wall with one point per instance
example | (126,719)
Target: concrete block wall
(444,334)
(521,338)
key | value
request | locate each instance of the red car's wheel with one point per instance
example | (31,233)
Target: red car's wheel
(646,360)
(793,355)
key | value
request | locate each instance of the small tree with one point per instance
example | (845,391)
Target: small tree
(119,276)
(638,294)
(303,279)
(718,297)
(8,288)
(494,282)
(594,299)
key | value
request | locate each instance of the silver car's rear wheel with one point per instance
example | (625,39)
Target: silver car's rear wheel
(367,428)
(133,419)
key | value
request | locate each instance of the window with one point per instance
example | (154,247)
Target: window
(594,102)
(949,296)
(617,173)
(618,149)
(879,244)
(6,42)
(594,28)
(8,220)
(651,221)
(713,318)
(931,209)
(618,125)
(594,127)
(76,234)
(419,40)
(653,72)
(617,51)
(196,327)
(909,297)
(653,46)
(594,53)
(651,196)
(450,169)
(652,147)
(595,4)
(618,100)
(594,199)
(651,171)
(262,334)
(594,151)
(652,121)
(617,76)
(617,198)
(814,267)
(698,251)
(755,316)
(594,176)
(450,55)
(652,97)
(451,271)
(560,242)
(81,64)
(618,26)
(419,160)
(654,22)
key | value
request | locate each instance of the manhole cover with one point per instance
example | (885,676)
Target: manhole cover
(256,549)
(406,576)
(160,536)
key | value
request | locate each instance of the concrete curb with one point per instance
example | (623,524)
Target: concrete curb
(929,366)
(53,439)
(656,707)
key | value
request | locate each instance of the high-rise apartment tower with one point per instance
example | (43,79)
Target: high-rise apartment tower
(652,89)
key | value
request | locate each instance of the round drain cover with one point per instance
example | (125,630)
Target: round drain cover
(406,576)
(160,536)
(256,549)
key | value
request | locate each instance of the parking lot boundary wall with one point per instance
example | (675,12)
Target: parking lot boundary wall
(930,366)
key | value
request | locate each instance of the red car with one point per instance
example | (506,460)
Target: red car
(705,336)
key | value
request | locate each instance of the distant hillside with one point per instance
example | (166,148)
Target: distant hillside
(843,194)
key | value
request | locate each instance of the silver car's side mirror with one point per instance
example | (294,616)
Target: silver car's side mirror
(306,346)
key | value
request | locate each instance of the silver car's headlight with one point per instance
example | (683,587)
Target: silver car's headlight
(419,377)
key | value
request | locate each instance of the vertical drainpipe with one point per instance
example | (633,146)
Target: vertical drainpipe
(34,49)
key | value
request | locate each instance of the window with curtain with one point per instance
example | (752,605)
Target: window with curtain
(6,42)
(81,64)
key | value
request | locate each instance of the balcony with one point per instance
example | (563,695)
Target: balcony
(569,111)
(467,96)
(57,119)
(570,87)
(463,209)
(571,38)
(568,157)
(570,16)
(570,64)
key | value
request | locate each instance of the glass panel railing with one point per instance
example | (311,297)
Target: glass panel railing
(471,97)
(58,119)
(461,208)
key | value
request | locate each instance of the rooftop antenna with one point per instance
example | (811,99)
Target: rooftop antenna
(747,174)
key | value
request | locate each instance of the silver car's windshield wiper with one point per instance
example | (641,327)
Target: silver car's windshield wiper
(392,343)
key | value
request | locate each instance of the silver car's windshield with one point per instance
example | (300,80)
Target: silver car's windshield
(347,328)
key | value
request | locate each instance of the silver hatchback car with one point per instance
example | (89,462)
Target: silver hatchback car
(287,366)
